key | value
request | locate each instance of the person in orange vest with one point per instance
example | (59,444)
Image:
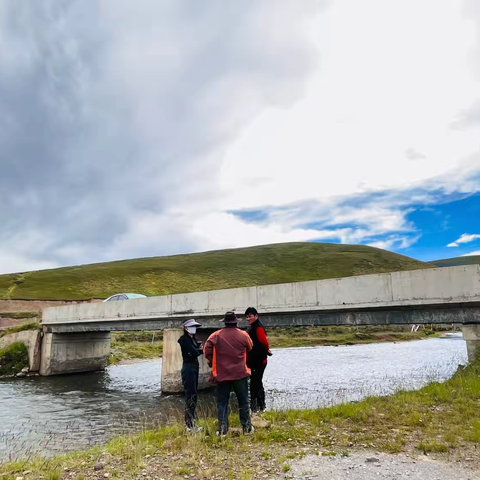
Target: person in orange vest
(226,353)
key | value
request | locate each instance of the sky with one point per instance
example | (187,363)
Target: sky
(135,129)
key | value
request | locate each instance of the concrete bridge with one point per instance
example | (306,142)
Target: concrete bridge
(76,338)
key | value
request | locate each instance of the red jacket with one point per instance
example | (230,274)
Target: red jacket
(226,352)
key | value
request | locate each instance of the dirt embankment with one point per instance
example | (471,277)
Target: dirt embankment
(31,308)
(30,305)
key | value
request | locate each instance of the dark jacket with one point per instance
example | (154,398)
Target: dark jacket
(226,352)
(258,355)
(190,350)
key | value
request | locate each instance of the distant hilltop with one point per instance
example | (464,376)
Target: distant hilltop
(240,267)
(456,261)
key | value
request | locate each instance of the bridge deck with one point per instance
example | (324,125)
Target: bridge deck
(440,295)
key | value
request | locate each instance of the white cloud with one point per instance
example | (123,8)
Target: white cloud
(15,254)
(379,93)
(465,238)
(206,231)
(395,242)
(223,110)
(471,254)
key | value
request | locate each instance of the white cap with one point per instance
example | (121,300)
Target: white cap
(191,323)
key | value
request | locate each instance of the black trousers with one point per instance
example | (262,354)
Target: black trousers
(257,392)
(190,383)
(240,387)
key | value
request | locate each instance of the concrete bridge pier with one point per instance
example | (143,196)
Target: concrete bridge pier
(172,361)
(74,352)
(471,334)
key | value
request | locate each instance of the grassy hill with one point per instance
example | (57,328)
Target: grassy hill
(205,271)
(452,262)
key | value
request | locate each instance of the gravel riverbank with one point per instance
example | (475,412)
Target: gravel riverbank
(364,466)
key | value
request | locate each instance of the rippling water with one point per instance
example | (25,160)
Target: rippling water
(53,414)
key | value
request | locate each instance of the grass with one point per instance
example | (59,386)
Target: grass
(13,358)
(451,262)
(135,345)
(19,328)
(442,419)
(20,315)
(240,267)
(339,335)
(121,351)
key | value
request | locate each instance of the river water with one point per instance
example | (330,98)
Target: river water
(47,415)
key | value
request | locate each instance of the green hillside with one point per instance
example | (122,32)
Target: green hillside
(205,271)
(452,262)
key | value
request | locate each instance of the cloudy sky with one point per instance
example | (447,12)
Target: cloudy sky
(132,129)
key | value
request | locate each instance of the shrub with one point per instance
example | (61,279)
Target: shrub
(13,358)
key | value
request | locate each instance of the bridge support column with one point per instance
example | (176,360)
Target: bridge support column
(74,352)
(471,334)
(172,361)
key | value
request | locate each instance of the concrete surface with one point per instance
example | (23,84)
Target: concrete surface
(471,334)
(172,362)
(373,316)
(452,287)
(364,466)
(74,352)
(32,340)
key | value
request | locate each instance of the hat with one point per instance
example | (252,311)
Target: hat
(230,317)
(191,323)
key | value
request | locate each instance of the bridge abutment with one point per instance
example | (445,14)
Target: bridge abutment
(32,340)
(471,334)
(74,352)
(172,361)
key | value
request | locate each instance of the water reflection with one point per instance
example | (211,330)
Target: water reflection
(54,414)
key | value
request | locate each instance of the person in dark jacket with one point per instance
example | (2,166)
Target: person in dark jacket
(257,359)
(190,352)
(226,352)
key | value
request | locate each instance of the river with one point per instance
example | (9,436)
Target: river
(48,415)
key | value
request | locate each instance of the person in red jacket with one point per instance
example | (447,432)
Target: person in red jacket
(257,359)
(226,353)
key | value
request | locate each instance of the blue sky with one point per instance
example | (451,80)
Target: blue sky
(428,230)
(135,129)
(442,224)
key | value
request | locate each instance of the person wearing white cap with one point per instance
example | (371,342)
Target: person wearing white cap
(190,352)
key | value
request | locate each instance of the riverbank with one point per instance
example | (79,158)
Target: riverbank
(131,346)
(339,335)
(127,346)
(442,420)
